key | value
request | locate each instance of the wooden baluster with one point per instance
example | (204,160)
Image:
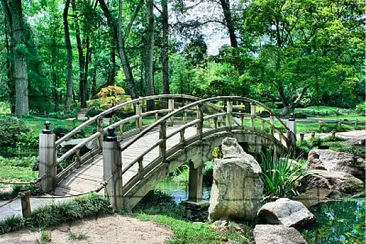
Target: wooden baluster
(200,123)
(141,166)
(100,125)
(229,110)
(77,158)
(139,119)
(182,139)
(252,114)
(184,117)
(171,109)
(215,122)
(272,124)
(162,146)
(242,120)
(156,116)
(120,129)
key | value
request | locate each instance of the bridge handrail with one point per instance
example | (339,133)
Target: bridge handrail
(108,111)
(199,102)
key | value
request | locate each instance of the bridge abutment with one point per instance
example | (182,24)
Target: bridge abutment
(195,182)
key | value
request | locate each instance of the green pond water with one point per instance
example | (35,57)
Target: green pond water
(336,222)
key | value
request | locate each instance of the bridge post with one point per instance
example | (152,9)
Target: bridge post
(252,114)
(171,108)
(229,110)
(47,159)
(291,134)
(200,123)
(100,125)
(195,183)
(112,170)
(162,146)
(139,119)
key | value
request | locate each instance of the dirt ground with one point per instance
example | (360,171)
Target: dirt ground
(112,229)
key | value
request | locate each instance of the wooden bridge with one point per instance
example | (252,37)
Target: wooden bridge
(181,128)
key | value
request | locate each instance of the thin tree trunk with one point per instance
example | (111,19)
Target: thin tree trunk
(70,82)
(225,4)
(116,30)
(20,65)
(112,70)
(165,47)
(149,52)
(86,71)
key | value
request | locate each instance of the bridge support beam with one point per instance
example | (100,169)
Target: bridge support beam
(195,183)
(47,159)
(112,170)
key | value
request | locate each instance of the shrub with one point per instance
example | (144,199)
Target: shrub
(361,108)
(158,202)
(10,129)
(27,140)
(110,91)
(280,175)
(61,130)
(19,162)
(208,173)
(93,111)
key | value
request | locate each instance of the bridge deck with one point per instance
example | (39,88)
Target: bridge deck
(88,177)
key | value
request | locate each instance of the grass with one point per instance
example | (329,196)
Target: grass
(16,174)
(188,232)
(57,214)
(77,236)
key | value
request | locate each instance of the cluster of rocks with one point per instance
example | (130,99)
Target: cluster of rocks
(332,175)
(237,191)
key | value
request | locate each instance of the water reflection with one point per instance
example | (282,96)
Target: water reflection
(338,222)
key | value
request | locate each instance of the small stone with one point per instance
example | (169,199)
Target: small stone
(286,212)
(277,234)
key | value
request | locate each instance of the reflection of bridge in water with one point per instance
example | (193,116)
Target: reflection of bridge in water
(184,129)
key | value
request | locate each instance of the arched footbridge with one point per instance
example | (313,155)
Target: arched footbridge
(128,162)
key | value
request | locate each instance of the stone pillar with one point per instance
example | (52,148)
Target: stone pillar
(195,183)
(112,170)
(47,159)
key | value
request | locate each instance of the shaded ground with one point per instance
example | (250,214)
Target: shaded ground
(112,229)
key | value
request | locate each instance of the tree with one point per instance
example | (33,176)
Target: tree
(149,51)
(165,46)
(69,58)
(14,17)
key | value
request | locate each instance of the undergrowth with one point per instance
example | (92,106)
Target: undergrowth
(57,214)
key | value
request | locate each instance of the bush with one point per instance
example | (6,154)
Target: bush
(57,214)
(280,175)
(361,108)
(93,112)
(19,162)
(208,173)
(10,129)
(158,202)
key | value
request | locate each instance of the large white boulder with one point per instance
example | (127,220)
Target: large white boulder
(237,188)
(277,234)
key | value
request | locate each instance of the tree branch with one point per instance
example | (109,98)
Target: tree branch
(133,17)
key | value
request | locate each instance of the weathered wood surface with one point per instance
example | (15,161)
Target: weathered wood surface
(88,177)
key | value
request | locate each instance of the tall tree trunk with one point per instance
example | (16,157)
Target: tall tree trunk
(70,82)
(112,70)
(225,4)
(14,16)
(82,84)
(86,71)
(116,30)
(149,52)
(165,46)
(9,63)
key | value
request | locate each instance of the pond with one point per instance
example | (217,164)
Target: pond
(338,222)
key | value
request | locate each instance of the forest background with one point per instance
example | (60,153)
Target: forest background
(57,55)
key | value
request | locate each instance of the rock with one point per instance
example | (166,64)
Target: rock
(231,149)
(237,187)
(286,212)
(357,141)
(277,234)
(321,185)
(336,161)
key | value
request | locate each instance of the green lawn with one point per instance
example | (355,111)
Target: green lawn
(17,174)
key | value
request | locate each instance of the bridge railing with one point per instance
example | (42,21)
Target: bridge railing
(171,102)
(205,125)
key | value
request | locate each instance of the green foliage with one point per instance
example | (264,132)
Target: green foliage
(157,202)
(208,173)
(280,175)
(77,236)
(19,162)
(28,140)
(61,130)
(361,108)
(10,130)
(188,232)
(11,224)
(45,238)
